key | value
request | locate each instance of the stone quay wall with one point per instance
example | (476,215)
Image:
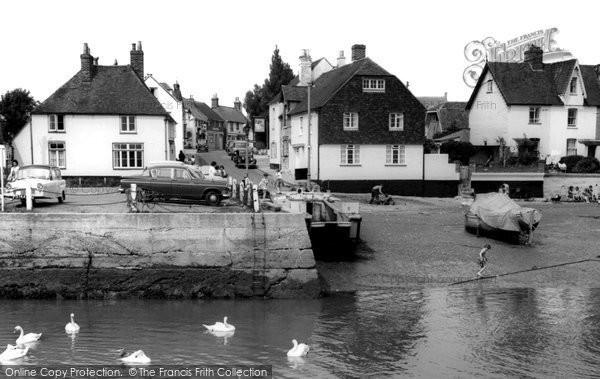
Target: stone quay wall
(156,255)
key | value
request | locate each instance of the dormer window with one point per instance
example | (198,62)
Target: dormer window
(489,86)
(373,85)
(573,86)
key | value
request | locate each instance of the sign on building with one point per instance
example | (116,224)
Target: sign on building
(259,125)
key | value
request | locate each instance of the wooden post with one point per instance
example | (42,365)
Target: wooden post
(133,195)
(28,199)
(242,192)
(255,198)
(234,188)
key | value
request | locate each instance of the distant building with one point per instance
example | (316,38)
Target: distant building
(433,101)
(104,121)
(172,101)
(233,118)
(204,126)
(554,105)
(447,118)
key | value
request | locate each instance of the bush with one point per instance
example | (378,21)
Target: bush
(527,158)
(587,165)
(571,161)
(429,146)
(458,151)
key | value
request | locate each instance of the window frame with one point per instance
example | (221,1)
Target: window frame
(53,119)
(573,86)
(490,87)
(392,125)
(352,117)
(373,85)
(401,155)
(57,150)
(129,149)
(128,122)
(534,120)
(572,121)
(572,149)
(355,149)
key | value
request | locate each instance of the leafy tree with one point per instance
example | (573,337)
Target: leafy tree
(257,100)
(15,106)
(458,151)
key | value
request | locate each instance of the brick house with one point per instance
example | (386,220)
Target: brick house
(103,122)
(366,128)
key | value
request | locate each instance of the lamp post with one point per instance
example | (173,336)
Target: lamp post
(247,131)
(308,147)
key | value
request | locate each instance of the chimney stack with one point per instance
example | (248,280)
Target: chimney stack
(305,69)
(237,104)
(137,59)
(358,52)
(341,59)
(215,101)
(534,56)
(86,64)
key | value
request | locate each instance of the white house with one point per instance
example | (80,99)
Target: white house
(172,101)
(555,104)
(103,122)
(233,118)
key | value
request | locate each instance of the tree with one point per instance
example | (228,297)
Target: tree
(257,100)
(458,151)
(15,107)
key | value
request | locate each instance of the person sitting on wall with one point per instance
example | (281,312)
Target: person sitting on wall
(14,170)
(376,191)
(571,193)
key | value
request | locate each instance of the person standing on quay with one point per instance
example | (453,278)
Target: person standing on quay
(483,259)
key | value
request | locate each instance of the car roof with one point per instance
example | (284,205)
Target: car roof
(168,163)
(47,167)
(165,165)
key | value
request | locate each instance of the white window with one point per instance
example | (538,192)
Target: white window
(350,121)
(396,121)
(128,155)
(573,86)
(350,155)
(57,154)
(128,124)
(534,115)
(273,149)
(301,126)
(571,147)
(395,155)
(373,85)
(56,123)
(489,86)
(572,117)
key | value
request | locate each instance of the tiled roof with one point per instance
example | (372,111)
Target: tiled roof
(113,90)
(431,101)
(293,93)
(200,110)
(166,86)
(230,114)
(330,82)
(451,113)
(519,84)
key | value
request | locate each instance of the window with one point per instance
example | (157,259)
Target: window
(571,148)
(182,174)
(350,154)
(128,124)
(489,86)
(285,149)
(396,121)
(273,149)
(534,115)
(350,121)
(57,154)
(395,155)
(373,85)
(573,86)
(128,155)
(56,123)
(301,125)
(572,117)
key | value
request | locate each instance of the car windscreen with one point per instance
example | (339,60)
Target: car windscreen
(37,173)
(196,172)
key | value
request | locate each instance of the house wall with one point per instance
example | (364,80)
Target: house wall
(438,168)
(298,154)
(322,67)
(275,124)
(175,109)
(488,116)
(88,142)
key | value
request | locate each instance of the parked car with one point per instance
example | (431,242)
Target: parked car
(239,151)
(45,181)
(202,147)
(176,181)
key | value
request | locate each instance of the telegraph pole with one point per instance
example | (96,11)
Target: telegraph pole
(308,150)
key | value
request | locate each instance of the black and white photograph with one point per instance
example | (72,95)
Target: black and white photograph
(312,189)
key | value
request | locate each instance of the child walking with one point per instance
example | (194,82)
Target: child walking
(483,259)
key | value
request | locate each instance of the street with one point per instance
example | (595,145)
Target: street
(221,157)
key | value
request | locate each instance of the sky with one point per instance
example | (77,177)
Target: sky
(224,47)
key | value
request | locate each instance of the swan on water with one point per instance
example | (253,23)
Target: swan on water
(299,350)
(26,338)
(72,326)
(13,352)
(136,357)
(220,326)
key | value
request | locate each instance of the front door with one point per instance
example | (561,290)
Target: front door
(592,151)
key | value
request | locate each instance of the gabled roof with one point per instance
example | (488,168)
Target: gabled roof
(330,82)
(520,84)
(201,111)
(431,101)
(230,114)
(115,90)
(315,63)
(451,113)
(293,93)
(165,86)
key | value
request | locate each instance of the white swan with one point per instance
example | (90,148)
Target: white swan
(27,338)
(13,352)
(138,357)
(72,326)
(220,326)
(299,350)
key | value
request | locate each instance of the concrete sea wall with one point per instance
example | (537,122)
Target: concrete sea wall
(165,255)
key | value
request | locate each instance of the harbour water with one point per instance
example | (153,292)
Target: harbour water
(423,332)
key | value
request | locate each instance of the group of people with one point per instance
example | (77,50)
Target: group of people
(216,170)
(576,194)
(183,158)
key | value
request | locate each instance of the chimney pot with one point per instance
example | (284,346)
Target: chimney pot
(87,63)
(137,59)
(305,76)
(116,63)
(341,59)
(215,101)
(358,52)
(534,56)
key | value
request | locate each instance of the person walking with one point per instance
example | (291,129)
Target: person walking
(263,185)
(483,259)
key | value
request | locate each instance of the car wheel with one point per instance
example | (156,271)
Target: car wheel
(61,198)
(212,198)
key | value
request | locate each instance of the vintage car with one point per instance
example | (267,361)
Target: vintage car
(178,181)
(45,182)
(239,151)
